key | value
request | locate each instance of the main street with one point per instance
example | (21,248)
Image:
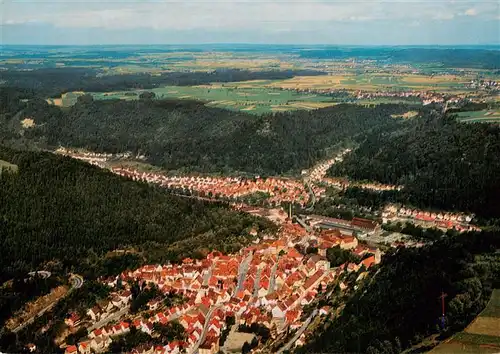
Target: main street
(205,328)
(115,316)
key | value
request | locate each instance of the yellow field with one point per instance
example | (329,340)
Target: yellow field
(481,336)
(485,325)
(371,82)
(406,115)
(311,105)
(28,123)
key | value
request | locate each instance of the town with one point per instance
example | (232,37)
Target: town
(266,286)
(268,283)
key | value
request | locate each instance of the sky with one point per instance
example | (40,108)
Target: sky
(356,22)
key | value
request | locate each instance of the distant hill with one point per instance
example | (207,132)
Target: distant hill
(442,163)
(479,57)
(190,136)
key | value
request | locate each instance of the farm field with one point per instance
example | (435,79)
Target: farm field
(371,82)
(490,116)
(250,100)
(481,336)
(66,99)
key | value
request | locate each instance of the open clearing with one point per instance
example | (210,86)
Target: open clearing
(407,115)
(481,336)
(8,166)
(479,116)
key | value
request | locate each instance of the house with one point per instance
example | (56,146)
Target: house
(324,310)
(73,320)
(209,346)
(365,225)
(95,313)
(72,349)
(348,242)
(279,310)
(84,347)
(99,343)
(153,304)
(126,296)
(301,341)
(105,305)
(144,349)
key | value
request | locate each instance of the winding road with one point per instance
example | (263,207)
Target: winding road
(76,282)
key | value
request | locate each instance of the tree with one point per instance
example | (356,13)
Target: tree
(147,95)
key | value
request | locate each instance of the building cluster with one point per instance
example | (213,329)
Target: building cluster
(443,220)
(483,84)
(343,183)
(318,172)
(97,159)
(279,190)
(356,226)
(267,283)
(427,97)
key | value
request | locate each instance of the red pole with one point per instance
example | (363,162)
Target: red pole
(443,295)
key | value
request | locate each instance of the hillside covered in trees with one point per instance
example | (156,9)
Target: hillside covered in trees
(400,305)
(188,135)
(442,164)
(57,209)
(54,81)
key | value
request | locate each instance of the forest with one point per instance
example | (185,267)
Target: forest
(189,136)
(442,164)
(62,215)
(56,209)
(400,305)
(51,82)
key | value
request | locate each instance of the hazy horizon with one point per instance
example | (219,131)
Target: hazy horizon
(306,22)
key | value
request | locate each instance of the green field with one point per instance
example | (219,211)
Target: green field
(490,116)
(481,336)
(250,100)
(7,165)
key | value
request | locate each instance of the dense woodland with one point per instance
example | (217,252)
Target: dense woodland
(442,164)
(54,81)
(59,209)
(188,135)
(400,305)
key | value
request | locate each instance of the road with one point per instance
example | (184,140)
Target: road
(205,328)
(76,282)
(272,278)
(297,335)
(42,273)
(242,272)
(257,282)
(312,196)
(115,316)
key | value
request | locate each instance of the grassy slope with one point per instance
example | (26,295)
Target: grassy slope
(469,340)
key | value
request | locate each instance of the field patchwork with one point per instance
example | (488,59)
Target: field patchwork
(486,116)
(481,336)
(255,100)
